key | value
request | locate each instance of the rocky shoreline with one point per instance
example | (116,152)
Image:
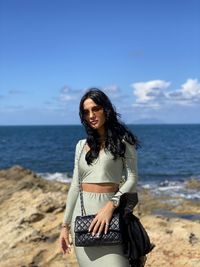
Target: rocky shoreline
(31,212)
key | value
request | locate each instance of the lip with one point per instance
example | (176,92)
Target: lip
(94,122)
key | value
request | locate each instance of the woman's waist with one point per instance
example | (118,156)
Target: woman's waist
(100,187)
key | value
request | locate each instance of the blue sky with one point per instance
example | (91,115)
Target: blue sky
(144,54)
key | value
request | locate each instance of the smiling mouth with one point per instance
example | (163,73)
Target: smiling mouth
(93,122)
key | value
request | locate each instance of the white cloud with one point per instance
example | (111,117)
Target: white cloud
(153,94)
(67,94)
(191,88)
(147,105)
(188,94)
(149,92)
(114,93)
(113,88)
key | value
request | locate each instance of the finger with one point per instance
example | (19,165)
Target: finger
(106,227)
(92,224)
(96,227)
(62,249)
(68,245)
(66,249)
(102,225)
(65,246)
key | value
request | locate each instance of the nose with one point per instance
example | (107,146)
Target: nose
(91,114)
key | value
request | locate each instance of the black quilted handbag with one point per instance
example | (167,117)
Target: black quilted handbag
(85,238)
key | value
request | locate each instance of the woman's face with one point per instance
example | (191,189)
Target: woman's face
(93,114)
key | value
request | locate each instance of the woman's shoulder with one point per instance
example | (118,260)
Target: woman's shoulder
(130,148)
(80,142)
(126,142)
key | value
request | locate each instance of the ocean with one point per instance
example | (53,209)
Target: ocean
(169,156)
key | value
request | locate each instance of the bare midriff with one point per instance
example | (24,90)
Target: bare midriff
(100,187)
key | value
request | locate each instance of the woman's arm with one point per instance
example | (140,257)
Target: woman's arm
(74,189)
(131,171)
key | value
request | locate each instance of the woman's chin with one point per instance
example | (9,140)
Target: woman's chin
(94,126)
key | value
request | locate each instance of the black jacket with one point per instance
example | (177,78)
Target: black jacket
(136,242)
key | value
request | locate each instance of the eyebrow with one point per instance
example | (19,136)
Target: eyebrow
(97,106)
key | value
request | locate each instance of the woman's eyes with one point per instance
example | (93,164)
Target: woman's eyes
(94,109)
(85,112)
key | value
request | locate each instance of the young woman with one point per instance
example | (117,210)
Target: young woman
(108,152)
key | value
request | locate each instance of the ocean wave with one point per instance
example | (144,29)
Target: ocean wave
(57,176)
(165,187)
(172,188)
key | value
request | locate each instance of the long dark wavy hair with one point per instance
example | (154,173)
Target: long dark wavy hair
(115,129)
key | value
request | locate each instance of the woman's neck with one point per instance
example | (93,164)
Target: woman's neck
(101,141)
(101,132)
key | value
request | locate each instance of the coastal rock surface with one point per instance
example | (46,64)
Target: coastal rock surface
(32,209)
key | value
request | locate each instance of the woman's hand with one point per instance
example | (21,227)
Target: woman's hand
(102,219)
(65,244)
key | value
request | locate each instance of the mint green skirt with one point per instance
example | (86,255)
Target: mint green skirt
(97,256)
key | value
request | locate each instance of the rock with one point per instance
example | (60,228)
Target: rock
(32,209)
(193,239)
(50,205)
(193,184)
(169,231)
(34,217)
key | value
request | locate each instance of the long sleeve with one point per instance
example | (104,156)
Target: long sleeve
(131,171)
(74,189)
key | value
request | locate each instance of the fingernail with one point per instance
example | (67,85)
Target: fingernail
(89,230)
(93,234)
(97,235)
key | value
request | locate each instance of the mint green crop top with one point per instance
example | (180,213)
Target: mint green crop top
(103,170)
